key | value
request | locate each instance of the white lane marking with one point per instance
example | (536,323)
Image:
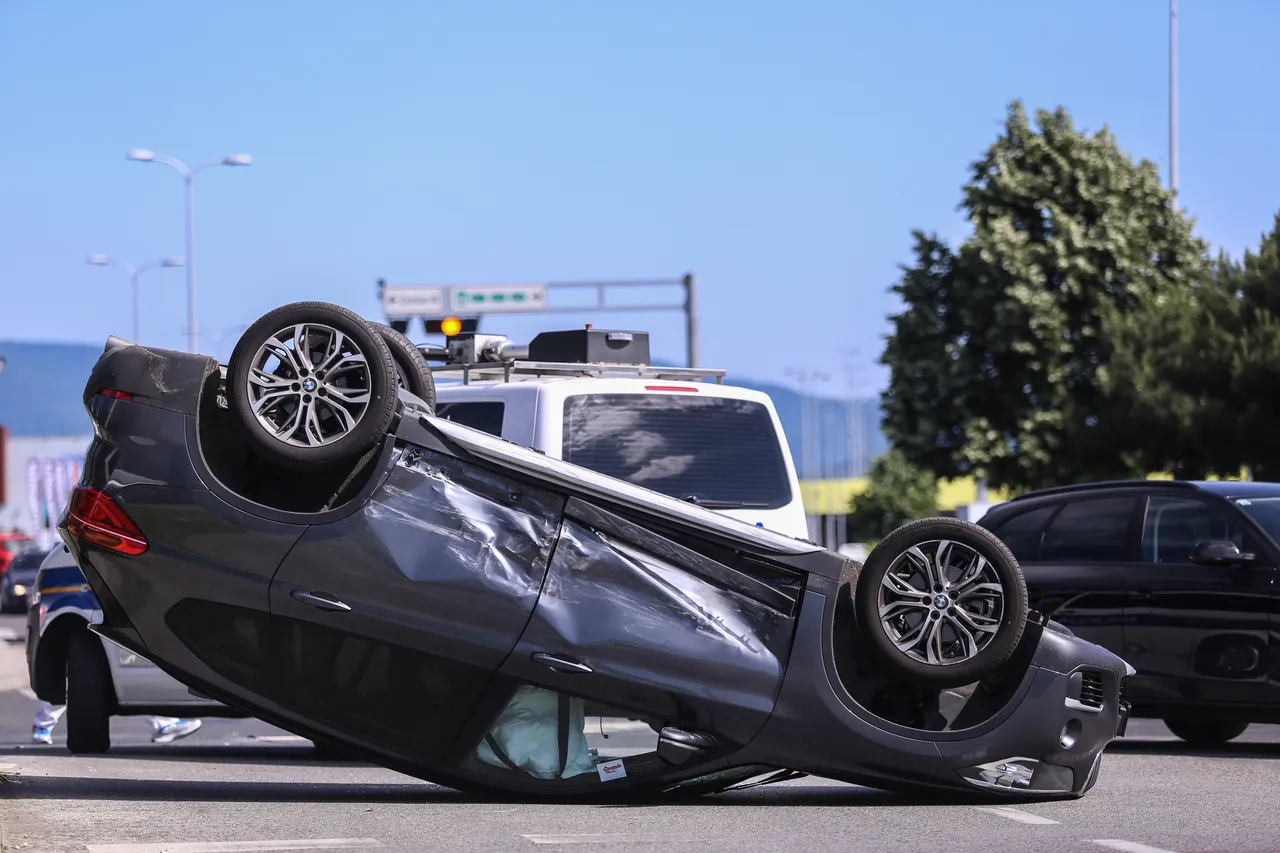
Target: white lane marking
(234,846)
(607,838)
(1015,814)
(1129,846)
(279,738)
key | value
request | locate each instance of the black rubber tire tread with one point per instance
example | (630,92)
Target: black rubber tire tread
(1206,732)
(90,697)
(411,365)
(1013,622)
(377,418)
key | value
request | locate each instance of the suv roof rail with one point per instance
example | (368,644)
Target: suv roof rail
(1107,484)
(507,370)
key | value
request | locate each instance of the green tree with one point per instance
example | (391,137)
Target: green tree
(998,360)
(897,492)
(1202,368)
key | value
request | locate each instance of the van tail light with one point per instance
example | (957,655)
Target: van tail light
(96,518)
(116,395)
(684,388)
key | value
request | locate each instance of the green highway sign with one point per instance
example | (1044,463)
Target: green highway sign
(498,299)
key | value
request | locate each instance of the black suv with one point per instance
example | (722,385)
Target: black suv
(1176,577)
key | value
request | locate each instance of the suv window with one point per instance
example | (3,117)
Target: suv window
(486,416)
(1089,530)
(721,451)
(1021,533)
(1174,525)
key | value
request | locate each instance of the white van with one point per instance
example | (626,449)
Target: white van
(679,431)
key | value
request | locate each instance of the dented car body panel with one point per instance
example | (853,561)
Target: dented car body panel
(453,599)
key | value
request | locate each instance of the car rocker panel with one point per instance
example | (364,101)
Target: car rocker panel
(455,607)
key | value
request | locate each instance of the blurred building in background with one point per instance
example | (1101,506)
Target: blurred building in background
(44,431)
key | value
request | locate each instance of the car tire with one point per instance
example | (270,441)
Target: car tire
(411,366)
(1206,732)
(346,429)
(985,602)
(89,695)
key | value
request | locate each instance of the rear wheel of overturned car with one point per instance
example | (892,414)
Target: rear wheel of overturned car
(313,384)
(412,369)
(89,695)
(942,602)
(1206,732)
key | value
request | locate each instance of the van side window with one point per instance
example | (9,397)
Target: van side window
(1021,533)
(1090,530)
(484,416)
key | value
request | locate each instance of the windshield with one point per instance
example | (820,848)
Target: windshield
(17,546)
(1265,511)
(717,452)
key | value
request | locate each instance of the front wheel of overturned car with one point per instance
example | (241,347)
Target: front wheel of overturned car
(89,695)
(942,601)
(313,384)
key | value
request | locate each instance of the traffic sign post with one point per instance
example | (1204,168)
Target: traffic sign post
(404,302)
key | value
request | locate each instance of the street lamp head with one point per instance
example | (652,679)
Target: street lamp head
(237,160)
(141,154)
(171,262)
(97,260)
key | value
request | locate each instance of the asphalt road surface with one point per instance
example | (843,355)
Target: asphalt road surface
(241,785)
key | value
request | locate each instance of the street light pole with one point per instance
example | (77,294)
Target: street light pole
(188,176)
(135,273)
(1173,96)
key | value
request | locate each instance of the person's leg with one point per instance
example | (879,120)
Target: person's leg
(166,729)
(43,723)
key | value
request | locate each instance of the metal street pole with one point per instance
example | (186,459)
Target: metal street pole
(135,273)
(188,177)
(1173,96)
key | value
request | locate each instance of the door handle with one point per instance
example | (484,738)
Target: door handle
(560,664)
(321,601)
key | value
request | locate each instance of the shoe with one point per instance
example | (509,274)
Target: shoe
(173,731)
(44,736)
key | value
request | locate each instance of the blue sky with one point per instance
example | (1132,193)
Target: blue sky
(782,151)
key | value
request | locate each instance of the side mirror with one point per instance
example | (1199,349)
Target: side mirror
(1218,552)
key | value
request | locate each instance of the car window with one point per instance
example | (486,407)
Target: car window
(28,560)
(1264,511)
(486,416)
(1174,525)
(1089,530)
(1021,533)
(721,451)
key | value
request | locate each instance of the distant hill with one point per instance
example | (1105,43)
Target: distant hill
(41,386)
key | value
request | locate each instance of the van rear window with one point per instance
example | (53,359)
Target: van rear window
(723,453)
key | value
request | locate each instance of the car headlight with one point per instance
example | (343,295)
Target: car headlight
(19,589)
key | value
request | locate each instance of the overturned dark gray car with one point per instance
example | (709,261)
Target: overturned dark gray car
(298,535)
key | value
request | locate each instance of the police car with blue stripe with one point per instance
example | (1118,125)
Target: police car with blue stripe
(95,678)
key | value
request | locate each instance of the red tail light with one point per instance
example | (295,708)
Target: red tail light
(670,388)
(96,518)
(118,395)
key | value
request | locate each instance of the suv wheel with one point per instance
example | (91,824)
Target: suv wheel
(1206,732)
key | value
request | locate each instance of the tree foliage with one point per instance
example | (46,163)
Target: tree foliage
(897,492)
(1000,358)
(1202,368)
